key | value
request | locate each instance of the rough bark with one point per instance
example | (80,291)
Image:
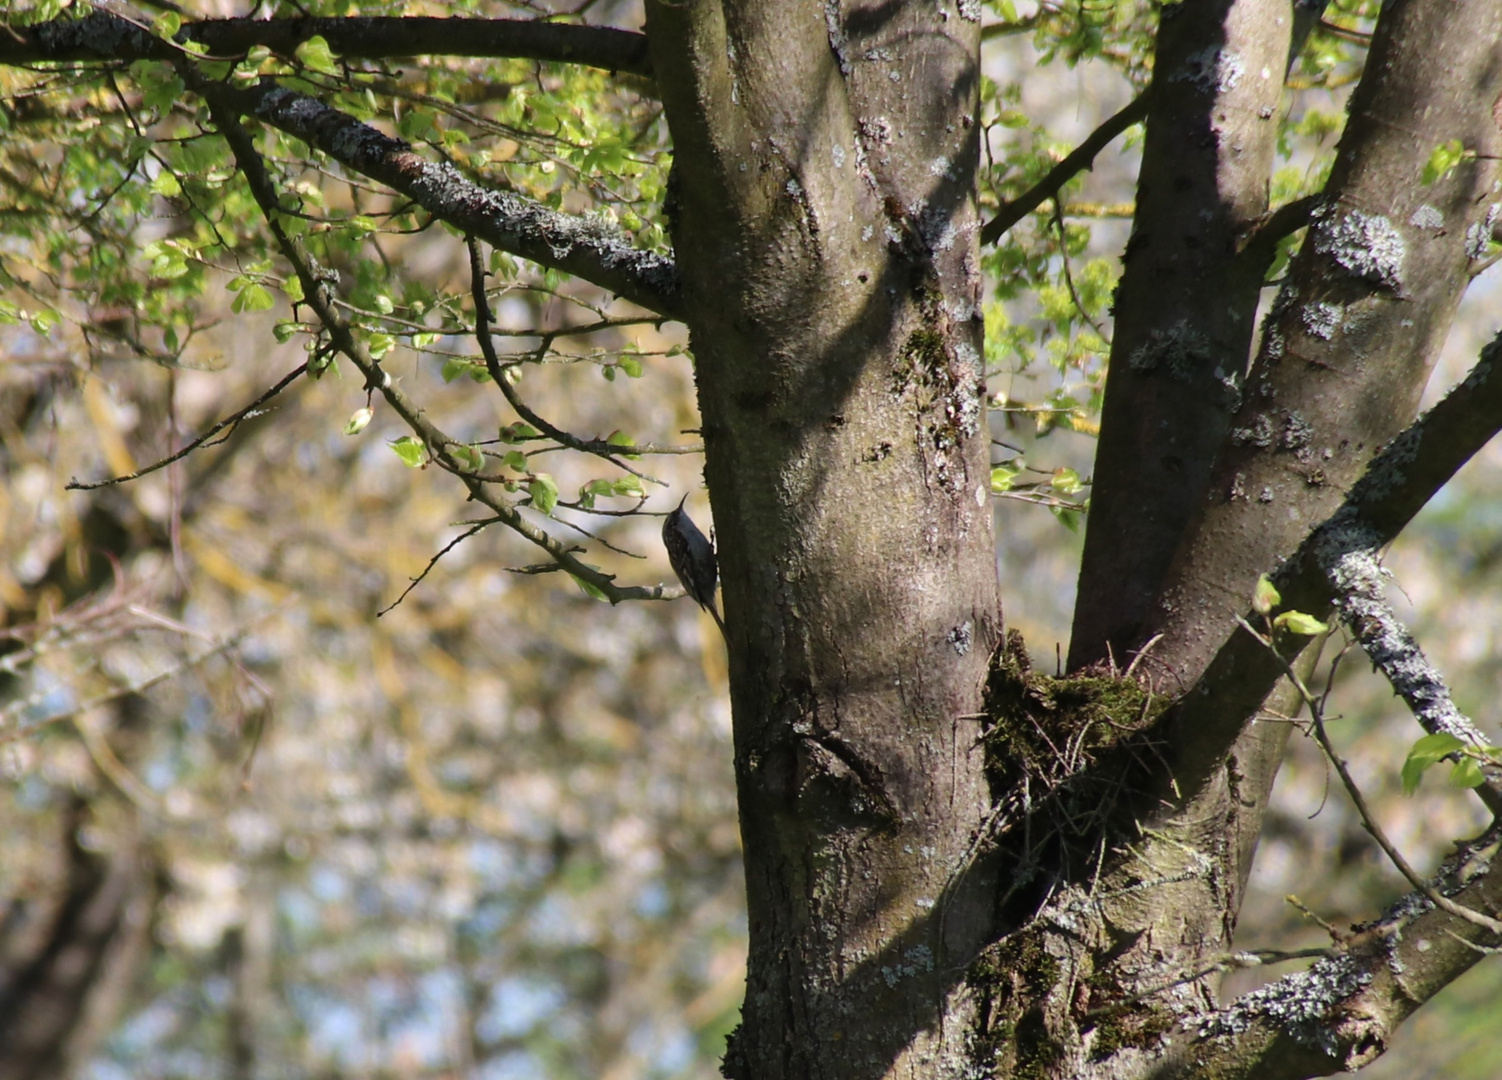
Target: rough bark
(1185,307)
(104,34)
(1360,320)
(827,237)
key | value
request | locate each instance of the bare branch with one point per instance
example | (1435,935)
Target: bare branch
(1259,245)
(598,447)
(474,527)
(1078,160)
(1363,809)
(1341,1013)
(106,36)
(231,422)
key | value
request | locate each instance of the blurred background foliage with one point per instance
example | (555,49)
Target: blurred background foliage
(491,831)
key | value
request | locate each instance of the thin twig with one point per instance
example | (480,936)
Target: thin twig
(231,422)
(1058,216)
(598,447)
(139,686)
(474,527)
(1368,820)
(318,295)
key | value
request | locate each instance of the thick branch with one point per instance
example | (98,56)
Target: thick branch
(1185,308)
(104,36)
(1358,325)
(589,248)
(1341,1013)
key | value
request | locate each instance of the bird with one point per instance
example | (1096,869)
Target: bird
(693,559)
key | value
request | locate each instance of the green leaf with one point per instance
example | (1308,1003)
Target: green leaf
(167,261)
(1265,597)
(1300,622)
(620,438)
(588,589)
(1467,773)
(1424,753)
(284,331)
(252,298)
(43,321)
(517,432)
(315,54)
(597,487)
(358,421)
(470,458)
(1066,482)
(516,460)
(160,86)
(1002,477)
(544,492)
(166,24)
(409,450)
(631,366)
(455,367)
(166,185)
(1442,161)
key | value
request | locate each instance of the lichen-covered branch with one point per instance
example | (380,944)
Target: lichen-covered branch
(1355,574)
(587,247)
(1342,1012)
(103,35)
(1185,310)
(1359,323)
(441,446)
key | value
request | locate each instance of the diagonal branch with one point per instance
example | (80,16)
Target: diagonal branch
(232,422)
(587,247)
(1342,1012)
(318,296)
(1362,606)
(1363,808)
(1077,161)
(599,447)
(106,36)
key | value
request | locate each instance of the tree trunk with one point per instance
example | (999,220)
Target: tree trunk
(827,234)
